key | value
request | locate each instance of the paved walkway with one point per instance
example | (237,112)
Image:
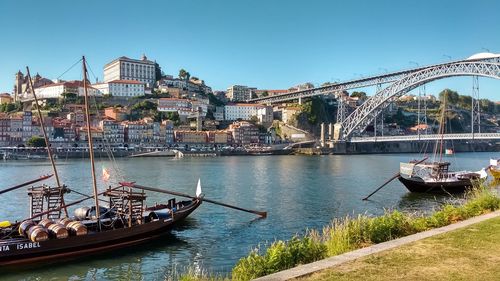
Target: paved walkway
(307,269)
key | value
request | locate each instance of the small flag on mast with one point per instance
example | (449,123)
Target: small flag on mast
(105,174)
(198,188)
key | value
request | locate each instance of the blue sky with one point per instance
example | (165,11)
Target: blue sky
(265,44)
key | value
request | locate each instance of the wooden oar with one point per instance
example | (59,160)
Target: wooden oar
(131,184)
(26,183)
(397,175)
(384,184)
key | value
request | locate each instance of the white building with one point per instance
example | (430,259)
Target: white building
(124,68)
(121,88)
(238,93)
(173,105)
(184,107)
(245,111)
(192,85)
(53,91)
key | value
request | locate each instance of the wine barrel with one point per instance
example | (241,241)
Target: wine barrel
(38,233)
(58,231)
(81,213)
(46,223)
(65,221)
(76,228)
(25,226)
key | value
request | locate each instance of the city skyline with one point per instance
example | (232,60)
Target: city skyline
(254,43)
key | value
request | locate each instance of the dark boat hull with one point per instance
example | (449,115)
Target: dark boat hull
(418,185)
(23,251)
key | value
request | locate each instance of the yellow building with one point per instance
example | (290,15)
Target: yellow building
(190,136)
(5,98)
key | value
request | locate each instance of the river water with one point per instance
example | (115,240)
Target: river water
(298,192)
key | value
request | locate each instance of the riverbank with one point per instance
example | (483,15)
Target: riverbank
(391,147)
(349,238)
(470,253)
(32,153)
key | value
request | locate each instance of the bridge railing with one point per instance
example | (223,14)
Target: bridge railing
(423,137)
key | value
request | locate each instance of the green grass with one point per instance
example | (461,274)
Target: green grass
(350,233)
(472,253)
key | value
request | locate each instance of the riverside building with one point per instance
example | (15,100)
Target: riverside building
(245,111)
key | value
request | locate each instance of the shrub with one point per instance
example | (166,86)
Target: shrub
(279,256)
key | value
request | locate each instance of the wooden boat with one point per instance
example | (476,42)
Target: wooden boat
(51,234)
(17,249)
(435,176)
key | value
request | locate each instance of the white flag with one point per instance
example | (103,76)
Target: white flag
(198,189)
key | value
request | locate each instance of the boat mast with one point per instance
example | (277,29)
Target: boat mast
(47,144)
(91,145)
(441,132)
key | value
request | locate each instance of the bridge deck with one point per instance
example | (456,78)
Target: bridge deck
(469,136)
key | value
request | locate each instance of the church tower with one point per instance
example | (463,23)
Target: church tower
(18,85)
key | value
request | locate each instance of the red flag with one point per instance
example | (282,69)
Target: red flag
(105,174)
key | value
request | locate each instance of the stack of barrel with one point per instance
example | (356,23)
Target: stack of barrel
(75,228)
(47,229)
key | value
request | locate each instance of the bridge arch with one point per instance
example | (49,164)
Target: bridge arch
(365,113)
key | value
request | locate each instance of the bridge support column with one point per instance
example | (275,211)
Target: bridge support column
(300,101)
(337,132)
(322,137)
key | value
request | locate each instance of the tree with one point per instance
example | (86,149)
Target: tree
(451,96)
(360,95)
(265,93)
(36,141)
(254,119)
(69,96)
(214,100)
(7,107)
(254,95)
(158,73)
(173,116)
(182,73)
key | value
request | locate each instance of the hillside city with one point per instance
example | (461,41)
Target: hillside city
(137,105)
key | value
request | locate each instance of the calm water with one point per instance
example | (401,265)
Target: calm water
(298,192)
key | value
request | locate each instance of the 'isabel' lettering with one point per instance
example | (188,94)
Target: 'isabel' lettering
(22,246)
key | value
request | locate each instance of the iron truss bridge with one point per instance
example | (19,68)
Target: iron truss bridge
(430,137)
(395,85)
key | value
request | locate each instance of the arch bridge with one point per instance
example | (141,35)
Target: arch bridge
(357,121)
(396,84)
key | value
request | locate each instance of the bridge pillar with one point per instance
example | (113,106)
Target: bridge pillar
(322,136)
(300,101)
(337,132)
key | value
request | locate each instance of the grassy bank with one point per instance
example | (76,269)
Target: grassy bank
(351,233)
(471,253)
